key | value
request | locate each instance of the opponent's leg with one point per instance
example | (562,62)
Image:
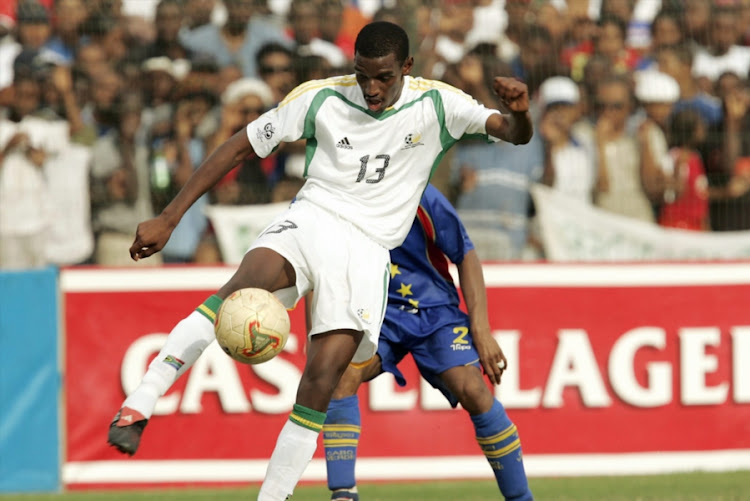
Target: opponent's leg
(328,356)
(261,268)
(496,434)
(342,429)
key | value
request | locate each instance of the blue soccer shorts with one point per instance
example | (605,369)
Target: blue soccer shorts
(438,338)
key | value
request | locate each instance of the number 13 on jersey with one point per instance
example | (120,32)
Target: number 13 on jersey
(380,171)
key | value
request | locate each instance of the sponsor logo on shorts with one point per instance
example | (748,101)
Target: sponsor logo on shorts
(364,314)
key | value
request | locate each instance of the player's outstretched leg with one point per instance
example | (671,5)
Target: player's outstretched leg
(496,434)
(340,439)
(184,345)
(327,359)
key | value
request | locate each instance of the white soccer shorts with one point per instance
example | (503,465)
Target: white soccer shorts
(348,271)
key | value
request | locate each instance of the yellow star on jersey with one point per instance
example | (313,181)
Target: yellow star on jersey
(394,270)
(414,303)
(405,290)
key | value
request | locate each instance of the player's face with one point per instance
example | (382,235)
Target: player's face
(381,79)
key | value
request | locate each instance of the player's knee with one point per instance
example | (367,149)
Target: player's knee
(349,383)
(471,391)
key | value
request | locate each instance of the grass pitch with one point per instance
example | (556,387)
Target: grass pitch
(684,487)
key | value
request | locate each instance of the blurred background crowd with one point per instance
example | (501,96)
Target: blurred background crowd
(107,107)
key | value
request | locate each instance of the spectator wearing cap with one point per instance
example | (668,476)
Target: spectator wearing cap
(237,42)
(242,102)
(568,166)
(656,92)
(161,76)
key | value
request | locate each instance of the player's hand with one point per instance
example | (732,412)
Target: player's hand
(513,93)
(150,237)
(491,357)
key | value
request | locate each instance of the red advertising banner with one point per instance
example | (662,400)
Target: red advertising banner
(612,369)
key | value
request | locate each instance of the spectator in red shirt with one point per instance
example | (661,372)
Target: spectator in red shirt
(689,210)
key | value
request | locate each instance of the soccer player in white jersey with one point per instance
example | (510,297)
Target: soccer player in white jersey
(373,140)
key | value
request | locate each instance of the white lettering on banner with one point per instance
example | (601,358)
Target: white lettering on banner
(575,365)
(741,364)
(658,389)
(510,392)
(695,363)
(214,372)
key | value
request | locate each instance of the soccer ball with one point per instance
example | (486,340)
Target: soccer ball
(252,326)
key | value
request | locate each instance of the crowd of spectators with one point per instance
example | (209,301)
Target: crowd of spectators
(107,107)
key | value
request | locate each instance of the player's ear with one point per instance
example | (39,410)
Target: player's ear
(406,67)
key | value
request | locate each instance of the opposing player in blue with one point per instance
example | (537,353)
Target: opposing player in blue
(423,318)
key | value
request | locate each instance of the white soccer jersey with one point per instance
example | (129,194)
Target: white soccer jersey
(370,168)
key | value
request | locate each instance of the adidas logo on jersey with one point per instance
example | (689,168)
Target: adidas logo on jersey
(345,144)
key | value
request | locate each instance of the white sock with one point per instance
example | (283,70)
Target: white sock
(294,450)
(184,345)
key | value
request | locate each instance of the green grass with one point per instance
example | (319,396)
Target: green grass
(684,487)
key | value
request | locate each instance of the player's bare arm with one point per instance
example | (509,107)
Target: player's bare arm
(475,294)
(152,235)
(514,125)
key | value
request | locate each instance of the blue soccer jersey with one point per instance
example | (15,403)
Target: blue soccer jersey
(420,277)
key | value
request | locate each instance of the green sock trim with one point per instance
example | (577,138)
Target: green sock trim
(307,418)
(210,307)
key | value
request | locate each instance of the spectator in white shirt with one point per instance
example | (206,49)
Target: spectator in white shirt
(723,52)
(569,167)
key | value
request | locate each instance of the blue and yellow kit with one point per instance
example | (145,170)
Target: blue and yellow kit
(423,315)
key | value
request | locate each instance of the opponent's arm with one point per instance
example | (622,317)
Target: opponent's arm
(475,295)
(152,235)
(514,125)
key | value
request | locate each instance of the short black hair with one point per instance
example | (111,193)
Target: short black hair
(380,38)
